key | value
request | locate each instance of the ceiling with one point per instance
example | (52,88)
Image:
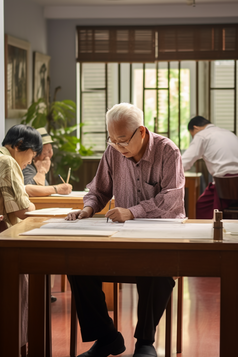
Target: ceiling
(128,2)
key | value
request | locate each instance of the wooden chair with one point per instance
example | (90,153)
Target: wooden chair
(168,327)
(227,188)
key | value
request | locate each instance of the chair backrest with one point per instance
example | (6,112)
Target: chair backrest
(227,187)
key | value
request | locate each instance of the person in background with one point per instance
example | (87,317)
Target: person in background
(218,148)
(35,173)
(144,172)
(20,145)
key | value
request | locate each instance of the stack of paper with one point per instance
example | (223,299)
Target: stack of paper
(51,212)
(230,227)
(72,194)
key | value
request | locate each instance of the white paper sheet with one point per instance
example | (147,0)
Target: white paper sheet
(62,232)
(98,224)
(172,231)
(157,220)
(59,221)
(51,212)
(230,227)
(72,194)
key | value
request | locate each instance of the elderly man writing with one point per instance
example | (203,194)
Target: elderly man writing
(144,172)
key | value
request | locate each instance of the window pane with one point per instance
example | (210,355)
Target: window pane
(150,109)
(163,75)
(93,76)
(150,75)
(174,102)
(203,89)
(185,105)
(137,85)
(187,100)
(222,108)
(93,118)
(163,112)
(125,83)
(222,74)
(112,84)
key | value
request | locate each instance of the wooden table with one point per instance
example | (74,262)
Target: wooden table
(192,192)
(63,201)
(73,202)
(106,256)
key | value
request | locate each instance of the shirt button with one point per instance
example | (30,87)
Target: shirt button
(138,190)
(138,179)
(137,165)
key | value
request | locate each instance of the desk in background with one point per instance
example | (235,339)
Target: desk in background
(64,201)
(106,256)
(192,192)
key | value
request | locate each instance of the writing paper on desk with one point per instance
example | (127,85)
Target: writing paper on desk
(164,231)
(98,224)
(61,232)
(230,227)
(51,212)
(59,221)
(72,194)
(156,220)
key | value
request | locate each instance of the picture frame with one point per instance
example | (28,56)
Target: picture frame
(41,76)
(17,76)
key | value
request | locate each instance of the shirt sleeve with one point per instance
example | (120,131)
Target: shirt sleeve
(29,172)
(13,190)
(193,153)
(100,187)
(169,201)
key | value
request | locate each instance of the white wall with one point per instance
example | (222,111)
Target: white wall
(25,20)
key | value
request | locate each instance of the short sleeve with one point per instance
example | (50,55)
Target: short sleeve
(12,188)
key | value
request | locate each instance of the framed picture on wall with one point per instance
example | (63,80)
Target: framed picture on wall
(17,59)
(41,76)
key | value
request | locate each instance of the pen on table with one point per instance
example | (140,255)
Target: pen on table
(69,171)
(61,179)
(109,208)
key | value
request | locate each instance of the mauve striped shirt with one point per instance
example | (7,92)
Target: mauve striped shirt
(150,188)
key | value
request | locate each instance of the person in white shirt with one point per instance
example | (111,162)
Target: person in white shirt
(219,149)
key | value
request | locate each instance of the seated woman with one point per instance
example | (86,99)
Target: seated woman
(20,145)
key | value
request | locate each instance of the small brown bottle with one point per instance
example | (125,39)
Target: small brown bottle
(217,225)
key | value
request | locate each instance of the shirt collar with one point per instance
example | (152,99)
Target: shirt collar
(209,126)
(148,154)
(4,151)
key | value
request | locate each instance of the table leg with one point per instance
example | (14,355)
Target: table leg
(10,312)
(37,316)
(63,283)
(229,304)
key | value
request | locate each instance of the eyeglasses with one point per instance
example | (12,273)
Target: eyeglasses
(109,142)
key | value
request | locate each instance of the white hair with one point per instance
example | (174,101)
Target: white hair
(125,111)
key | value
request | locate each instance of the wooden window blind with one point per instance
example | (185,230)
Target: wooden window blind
(157,43)
(116,44)
(197,42)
